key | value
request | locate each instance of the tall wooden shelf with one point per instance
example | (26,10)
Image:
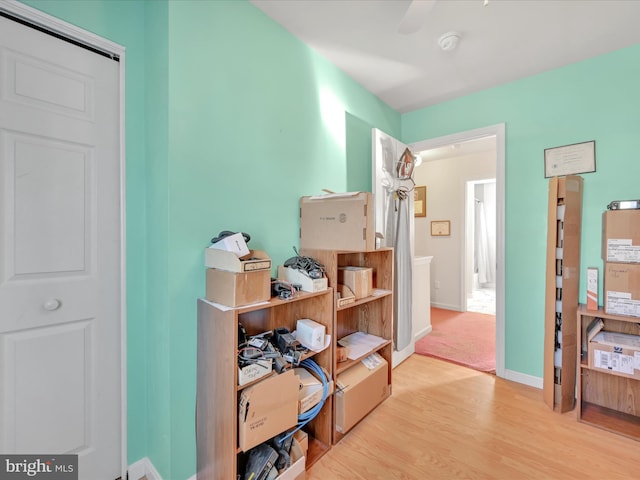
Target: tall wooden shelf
(373,314)
(218,452)
(607,399)
(561,296)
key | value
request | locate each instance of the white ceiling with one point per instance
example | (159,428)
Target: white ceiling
(501,42)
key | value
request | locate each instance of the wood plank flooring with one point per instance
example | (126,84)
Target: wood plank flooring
(444,421)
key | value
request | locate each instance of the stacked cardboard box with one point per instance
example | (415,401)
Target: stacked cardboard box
(621,255)
(237,281)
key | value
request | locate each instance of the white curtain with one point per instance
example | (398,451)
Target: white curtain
(483,252)
(397,234)
(404,273)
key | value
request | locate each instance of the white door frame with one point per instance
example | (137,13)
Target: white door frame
(66,30)
(499,132)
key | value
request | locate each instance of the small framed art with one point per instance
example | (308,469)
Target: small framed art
(440,228)
(420,202)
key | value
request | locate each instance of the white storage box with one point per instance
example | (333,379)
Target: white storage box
(229,261)
(295,276)
(310,334)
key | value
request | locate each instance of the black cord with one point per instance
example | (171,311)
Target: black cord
(311,267)
(227,233)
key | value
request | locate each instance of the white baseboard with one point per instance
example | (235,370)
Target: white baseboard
(446,306)
(523,378)
(143,467)
(422,333)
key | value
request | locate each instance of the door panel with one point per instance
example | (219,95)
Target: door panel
(53,408)
(60,301)
(51,193)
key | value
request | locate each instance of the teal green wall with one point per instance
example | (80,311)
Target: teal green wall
(597,99)
(229,120)
(159,332)
(256,120)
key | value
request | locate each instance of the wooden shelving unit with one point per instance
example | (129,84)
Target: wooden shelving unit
(373,314)
(607,399)
(561,295)
(218,454)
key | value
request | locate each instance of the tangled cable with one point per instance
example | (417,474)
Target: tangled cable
(312,268)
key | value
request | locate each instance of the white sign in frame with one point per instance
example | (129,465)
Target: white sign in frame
(570,159)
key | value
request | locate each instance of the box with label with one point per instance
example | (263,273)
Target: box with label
(238,289)
(338,221)
(358,391)
(223,260)
(267,408)
(311,390)
(296,277)
(254,371)
(622,289)
(621,236)
(616,352)
(358,279)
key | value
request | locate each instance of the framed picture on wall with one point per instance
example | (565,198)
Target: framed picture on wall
(440,228)
(420,201)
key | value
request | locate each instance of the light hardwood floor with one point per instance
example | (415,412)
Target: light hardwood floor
(448,422)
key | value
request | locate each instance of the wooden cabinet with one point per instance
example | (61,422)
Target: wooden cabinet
(561,297)
(218,454)
(372,314)
(607,399)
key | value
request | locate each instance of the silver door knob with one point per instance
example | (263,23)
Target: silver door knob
(51,304)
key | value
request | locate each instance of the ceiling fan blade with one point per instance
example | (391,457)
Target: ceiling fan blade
(415,16)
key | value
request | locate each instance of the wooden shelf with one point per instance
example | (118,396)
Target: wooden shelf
(561,292)
(611,420)
(607,399)
(342,366)
(372,314)
(218,454)
(377,294)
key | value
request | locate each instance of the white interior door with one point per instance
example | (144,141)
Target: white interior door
(60,251)
(388,150)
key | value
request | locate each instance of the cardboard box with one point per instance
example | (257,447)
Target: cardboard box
(223,260)
(358,279)
(267,408)
(238,289)
(310,334)
(616,352)
(310,392)
(621,236)
(303,440)
(358,391)
(345,296)
(295,276)
(338,221)
(622,289)
(254,371)
(297,469)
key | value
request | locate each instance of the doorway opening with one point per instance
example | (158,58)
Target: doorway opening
(454,276)
(480,252)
